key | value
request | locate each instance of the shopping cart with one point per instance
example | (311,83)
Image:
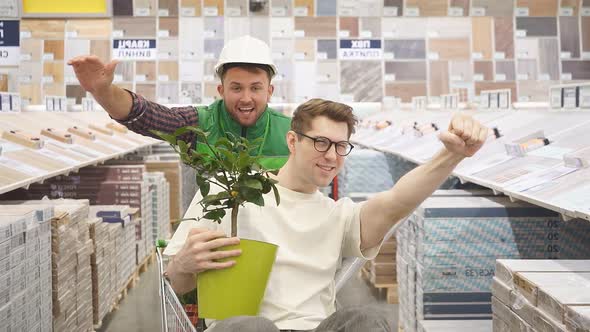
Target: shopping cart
(174,317)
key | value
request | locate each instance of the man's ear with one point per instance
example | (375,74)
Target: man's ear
(220,90)
(291,139)
(271,90)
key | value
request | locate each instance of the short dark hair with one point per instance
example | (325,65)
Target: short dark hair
(306,112)
(249,67)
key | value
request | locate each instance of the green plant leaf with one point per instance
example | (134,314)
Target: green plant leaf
(244,160)
(165,136)
(214,215)
(257,199)
(181,131)
(252,183)
(183,146)
(223,141)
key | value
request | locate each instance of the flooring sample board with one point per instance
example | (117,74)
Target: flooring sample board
(549,58)
(527,48)
(54,89)
(316,26)
(370,27)
(480,86)
(461,71)
(125,70)
(429,7)
(168,70)
(283,48)
(505,68)
(326,8)
(504,36)
(482,36)
(397,4)
(329,47)
(214,27)
(484,69)
(537,26)
(123,8)
(259,28)
(362,8)
(135,27)
(404,28)
(169,24)
(43,28)
(258,8)
(526,69)
(503,8)
(285,70)
(30,93)
(331,91)
(168,7)
(31,49)
(406,49)
(439,78)
(76,92)
(349,27)
(168,92)
(89,29)
(327,72)
(281,27)
(74,48)
(101,48)
(236,8)
(30,72)
(190,8)
(539,7)
(192,71)
(463,4)
(145,8)
(282,8)
(305,49)
(191,93)
(449,49)
(191,43)
(303,71)
(303,7)
(53,70)
(569,35)
(448,27)
(284,91)
(54,49)
(573,5)
(146,90)
(212,48)
(406,70)
(238,26)
(580,69)
(146,70)
(358,78)
(3,82)
(213,8)
(535,90)
(210,93)
(209,70)
(168,48)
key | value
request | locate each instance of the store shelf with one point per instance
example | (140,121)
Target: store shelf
(23,165)
(539,177)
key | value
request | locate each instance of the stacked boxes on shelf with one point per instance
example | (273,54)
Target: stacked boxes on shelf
(541,295)
(25,268)
(160,205)
(447,251)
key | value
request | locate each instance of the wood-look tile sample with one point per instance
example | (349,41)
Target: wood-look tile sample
(503,8)
(327,71)
(585,33)
(481,86)
(260,28)
(192,92)
(168,70)
(135,27)
(535,90)
(192,71)
(102,49)
(123,7)
(406,49)
(4,82)
(259,8)
(482,36)
(190,8)
(350,24)
(485,69)
(282,48)
(53,72)
(549,57)
(569,35)
(214,26)
(405,91)
(527,69)
(329,47)
(145,8)
(32,48)
(461,71)
(281,27)
(320,27)
(236,8)
(30,71)
(399,4)
(539,7)
(580,69)
(439,78)
(299,4)
(44,28)
(54,89)
(504,36)
(54,49)
(450,49)
(213,48)
(505,68)
(463,4)
(148,91)
(168,48)
(448,27)
(168,6)
(537,26)
(281,8)
(573,4)
(406,28)
(429,7)
(305,49)
(89,29)
(370,27)
(359,78)
(145,69)
(30,92)
(214,4)
(76,92)
(406,70)
(326,8)
(125,70)
(210,91)
(169,24)
(362,8)
(168,92)
(527,48)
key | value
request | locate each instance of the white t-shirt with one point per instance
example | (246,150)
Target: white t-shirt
(313,233)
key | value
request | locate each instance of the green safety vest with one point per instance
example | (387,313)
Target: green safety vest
(272,126)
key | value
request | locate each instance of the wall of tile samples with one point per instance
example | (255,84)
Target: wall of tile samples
(428,47)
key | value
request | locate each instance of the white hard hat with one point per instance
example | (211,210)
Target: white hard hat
(245,49)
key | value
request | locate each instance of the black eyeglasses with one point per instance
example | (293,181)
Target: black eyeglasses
(323,144)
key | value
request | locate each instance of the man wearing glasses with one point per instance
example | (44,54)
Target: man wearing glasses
(314,232)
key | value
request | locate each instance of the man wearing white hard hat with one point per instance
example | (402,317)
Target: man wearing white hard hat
(245,68)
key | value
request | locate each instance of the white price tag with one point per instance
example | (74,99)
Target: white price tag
(163,78)
(500,77)
(48,56)
(390,11)
(71,34)
(346,12)
(300,11)
(522,55)
(522,77)
(478,11)
(520,33)
(585,11)
(412,11)
(499,55)
(187,11)
(389,34)
(389,77)
(366,34)
(209,33)
(477,55)
(322,56)
(343,33)
(208,78)
(433,56)
(455,11)
(277,33)
(25,34)
(163,56)
(456,78)
(163,33)
(299,33)
(478,77)
(233,11)
(140,78)
(118,33)
(142,11)
(47,79)
(388,56)
(26,57)
(566,11)
(25,78)
(566,55)
(566,76)
(544,77)
(279,11)
(299,56)
(163,12)
(522,11)
(524,99)
(210,11)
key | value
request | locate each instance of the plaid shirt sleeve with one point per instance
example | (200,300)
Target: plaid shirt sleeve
(146,115)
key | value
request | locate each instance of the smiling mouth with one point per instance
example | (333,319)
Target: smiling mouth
(246,110)
(326,168)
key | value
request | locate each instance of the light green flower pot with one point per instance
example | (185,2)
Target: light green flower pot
(237,291)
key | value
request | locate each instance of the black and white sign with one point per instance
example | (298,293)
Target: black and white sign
(360,49)
(134,49)
(9,43)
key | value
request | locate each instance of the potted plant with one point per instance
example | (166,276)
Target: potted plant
(229,166)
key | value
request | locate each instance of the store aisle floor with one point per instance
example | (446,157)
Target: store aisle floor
(140,311)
